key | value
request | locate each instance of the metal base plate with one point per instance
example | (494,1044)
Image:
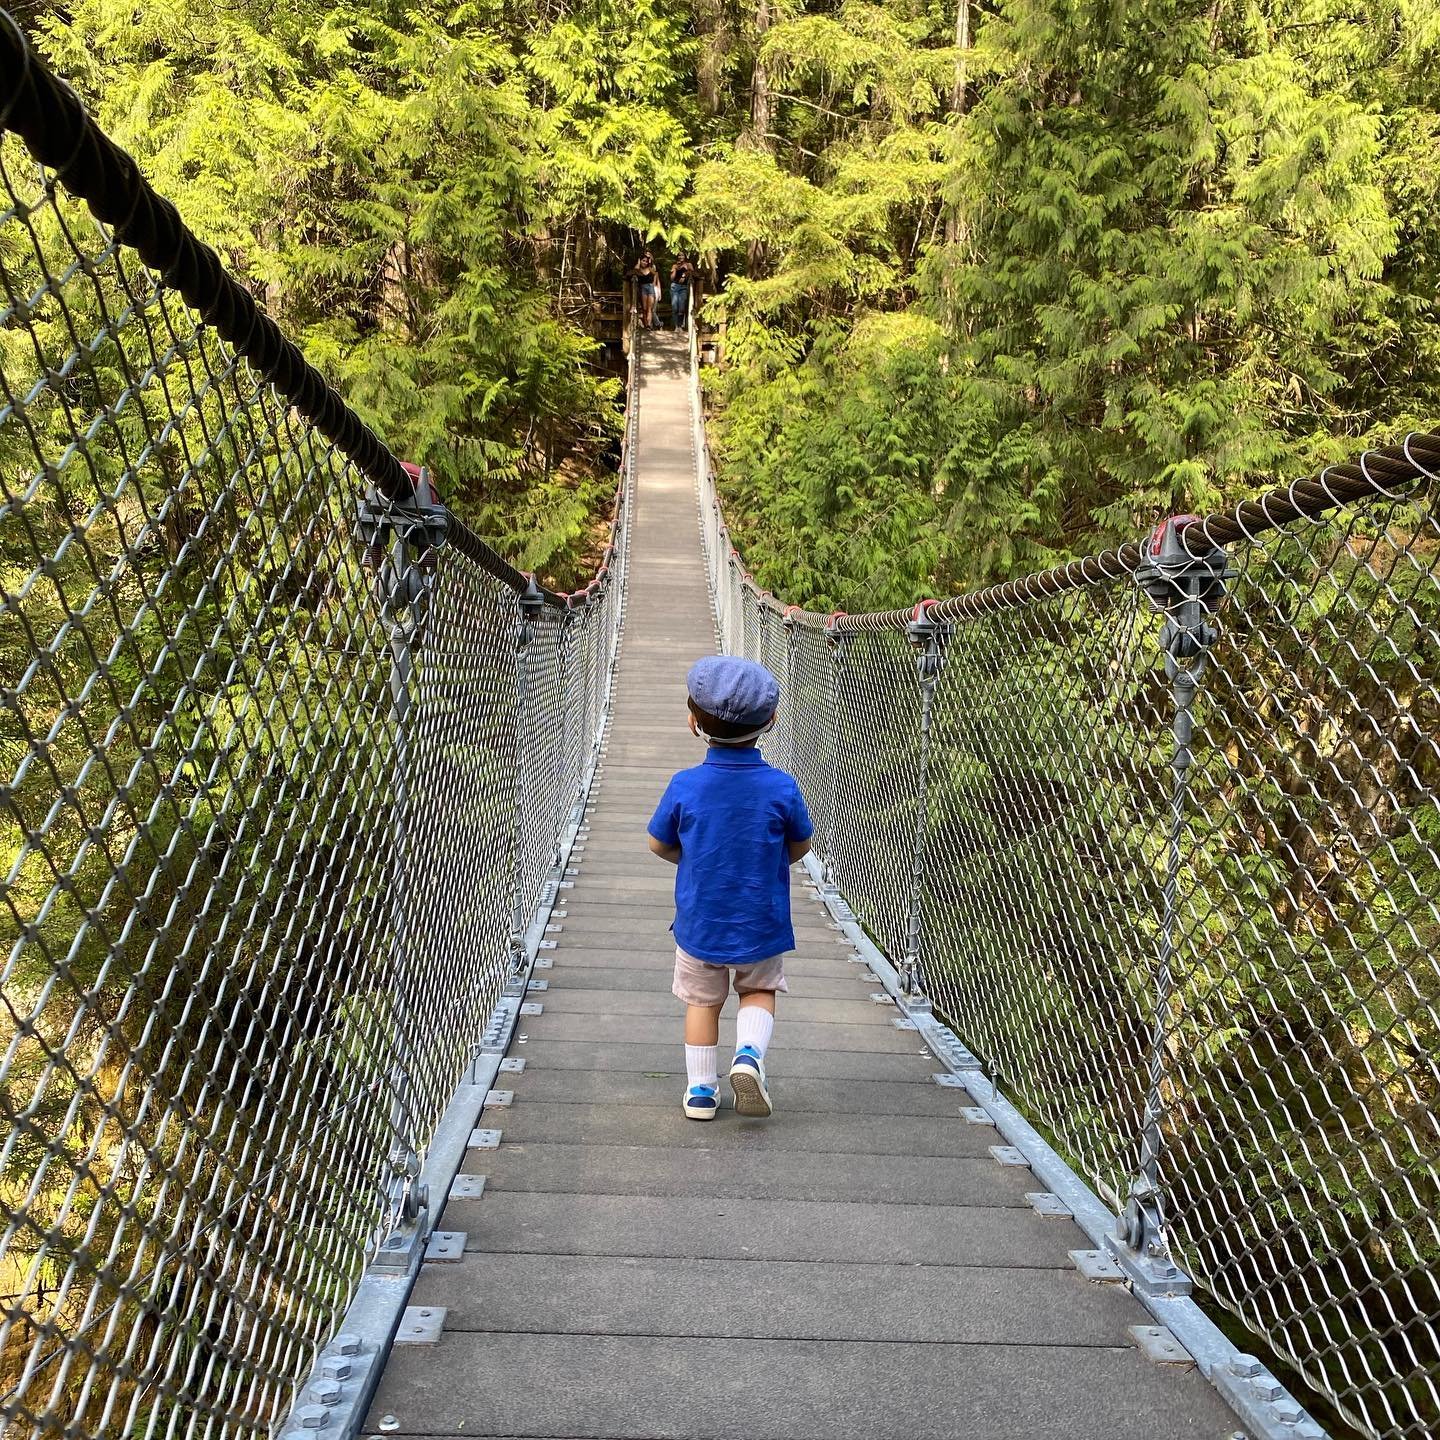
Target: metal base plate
(445,1245)
(1007,1155)
(1096,1265)
(1052,1207)
(420,1325)
(1158,1344)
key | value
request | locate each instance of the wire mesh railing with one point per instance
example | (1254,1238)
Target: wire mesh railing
(1158,833)
(288,752)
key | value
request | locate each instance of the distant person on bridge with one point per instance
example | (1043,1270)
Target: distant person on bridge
(647,288)
(734,826)
(682,273)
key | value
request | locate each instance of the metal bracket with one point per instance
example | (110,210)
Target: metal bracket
(974,1115)
(1142,1251)
(497,1028)
(1186,585)
(467,1187)
(947,1081)
(499,1099)
(949,1047)
(399,1248)
(1260,1400)
(513,1065)
(1007,1155)
(929,636)
(403,577)
(485,1139)
(532,1007)
(338,1388)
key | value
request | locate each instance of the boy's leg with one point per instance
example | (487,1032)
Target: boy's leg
(702,1024)
(702,1070)
(753,1027)
(703,988)
(756,1021)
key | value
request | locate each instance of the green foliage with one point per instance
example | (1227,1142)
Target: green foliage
(395,181)
(1185,253)
(847,483)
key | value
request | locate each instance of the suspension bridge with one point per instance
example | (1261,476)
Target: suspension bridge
(340,1070)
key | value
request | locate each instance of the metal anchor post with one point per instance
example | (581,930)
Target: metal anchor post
(837,644)
(929,637)
(1187,583)
(403,578)
(529,605)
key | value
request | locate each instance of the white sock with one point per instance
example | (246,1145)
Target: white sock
(753,1027)
(700,1065)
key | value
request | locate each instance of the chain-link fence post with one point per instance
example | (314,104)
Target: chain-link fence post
(529,605)
(1186,587)
(574,715)
(837,642)
(403,579)
(789,682)
(928,636)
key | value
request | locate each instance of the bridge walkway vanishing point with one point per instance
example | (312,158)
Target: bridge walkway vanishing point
(858,1265)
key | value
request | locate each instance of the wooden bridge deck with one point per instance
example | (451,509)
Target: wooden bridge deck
(859,1265)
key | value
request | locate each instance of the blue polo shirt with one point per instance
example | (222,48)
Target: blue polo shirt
(733,818)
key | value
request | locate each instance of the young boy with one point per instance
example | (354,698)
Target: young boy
(734,826)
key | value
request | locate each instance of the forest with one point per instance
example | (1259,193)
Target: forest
(993,286)
(1053,266)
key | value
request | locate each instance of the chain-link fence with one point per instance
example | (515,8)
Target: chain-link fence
(288,753)
(1158,833)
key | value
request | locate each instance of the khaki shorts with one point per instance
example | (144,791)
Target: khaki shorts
(697,982)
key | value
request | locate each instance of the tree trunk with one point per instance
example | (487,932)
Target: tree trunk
(761,102)
(760,97)
(713,28)
(957,93)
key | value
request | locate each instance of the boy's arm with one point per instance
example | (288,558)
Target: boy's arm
(663,831)
(799,830)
